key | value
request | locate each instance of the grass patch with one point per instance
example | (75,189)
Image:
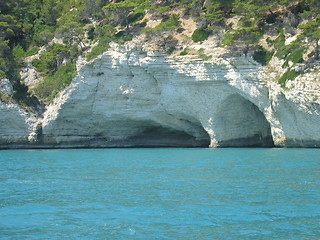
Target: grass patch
(51,85)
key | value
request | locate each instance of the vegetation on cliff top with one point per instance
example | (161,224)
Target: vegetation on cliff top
(26,26)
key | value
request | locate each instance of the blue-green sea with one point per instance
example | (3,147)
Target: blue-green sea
(160,193)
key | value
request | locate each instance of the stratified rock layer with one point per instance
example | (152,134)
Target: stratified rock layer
(126,98)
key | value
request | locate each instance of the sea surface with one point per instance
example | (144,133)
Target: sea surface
(164,193)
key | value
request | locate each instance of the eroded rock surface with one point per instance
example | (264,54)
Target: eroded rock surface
(128,98)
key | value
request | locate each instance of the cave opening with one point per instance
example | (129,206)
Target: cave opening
(159,136)
(240,123)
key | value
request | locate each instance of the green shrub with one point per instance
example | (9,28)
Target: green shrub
(134,17)
(31,51)
(228,39)
(296,55)
(18,52)
(288,75)
(167,23)
(51,85)
(269,41)
(271,18)
(91,33)
(262,56)
(39,65)
(122,37)
(184,52)
(279,44)
(143,24)
(171,50)
(50,60)
(200,34)
(100,48)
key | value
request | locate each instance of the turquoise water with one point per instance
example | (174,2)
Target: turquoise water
(160,194)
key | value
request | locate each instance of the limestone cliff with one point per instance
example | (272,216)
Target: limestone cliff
(129,97)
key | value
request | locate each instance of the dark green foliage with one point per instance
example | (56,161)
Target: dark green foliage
(143,24)
(126,38)
(262,56)
(50,60)
(271,18)
(74,53)
(184,52)
(200,34)
(91,33)
(19,53)
(22,97)
(47,89)
(171,50)
(296,55)
(134,17)
(122,36)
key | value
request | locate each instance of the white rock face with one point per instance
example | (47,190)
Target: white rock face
(127,98)
(5,86)
(16,126)
(130,98)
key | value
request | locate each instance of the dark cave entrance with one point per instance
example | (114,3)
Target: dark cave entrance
(240,123)
(158,136)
